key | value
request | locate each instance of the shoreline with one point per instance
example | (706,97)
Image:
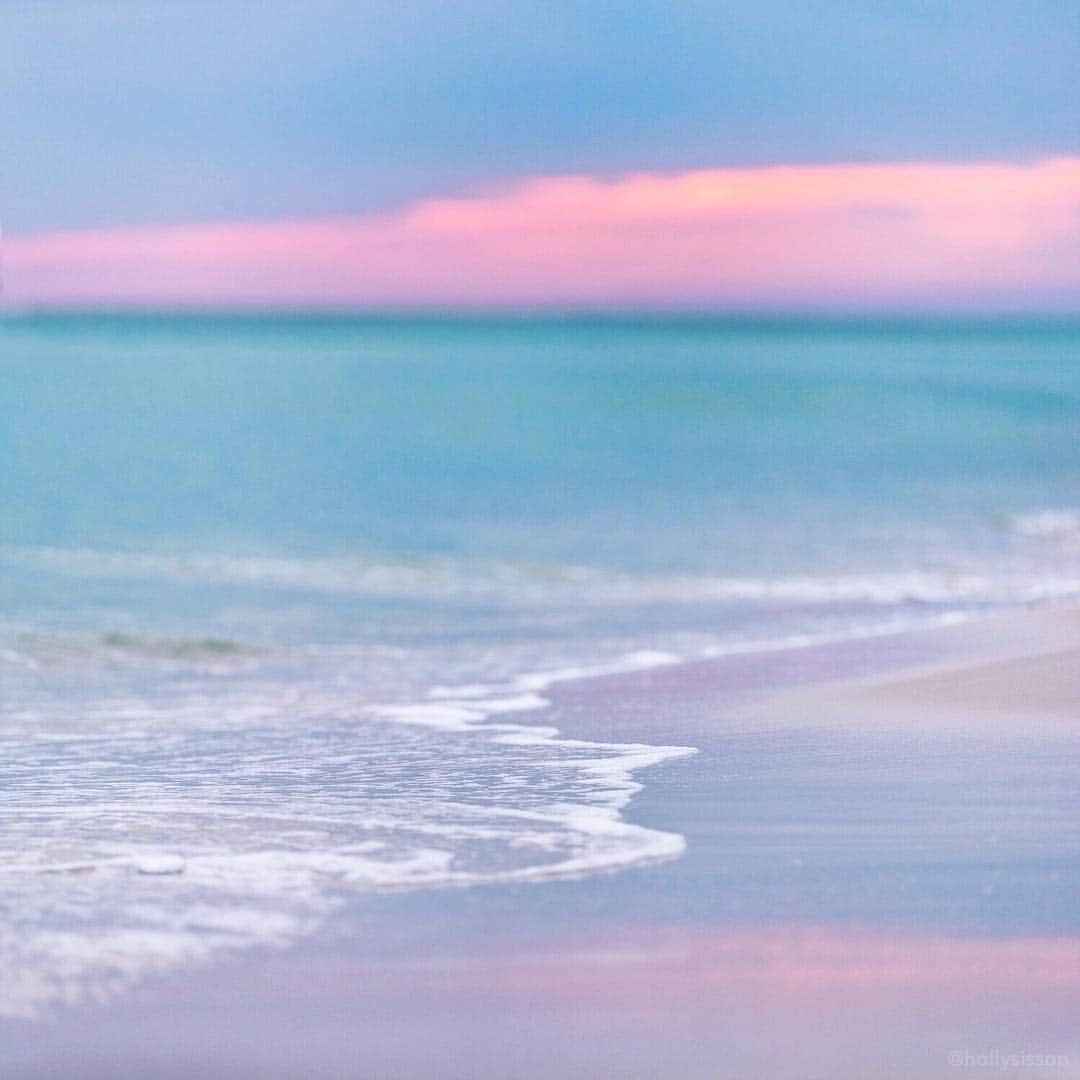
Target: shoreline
(935,881)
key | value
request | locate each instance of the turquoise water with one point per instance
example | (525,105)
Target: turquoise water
(281,597)
(640,445)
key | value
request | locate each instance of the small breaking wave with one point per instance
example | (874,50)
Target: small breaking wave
(532,584)
(1056,525)
(142,833)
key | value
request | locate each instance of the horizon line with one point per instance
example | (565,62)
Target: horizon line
(547,313)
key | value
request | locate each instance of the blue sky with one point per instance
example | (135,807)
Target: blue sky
(140,112)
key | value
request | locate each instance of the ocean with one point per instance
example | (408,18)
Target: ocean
(282,596)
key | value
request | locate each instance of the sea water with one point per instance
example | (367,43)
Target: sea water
(280,597)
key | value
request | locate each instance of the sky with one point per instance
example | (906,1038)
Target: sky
(319,139)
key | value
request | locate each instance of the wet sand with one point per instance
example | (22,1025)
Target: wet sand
(882,880)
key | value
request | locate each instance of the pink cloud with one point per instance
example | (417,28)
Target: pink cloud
(827,235)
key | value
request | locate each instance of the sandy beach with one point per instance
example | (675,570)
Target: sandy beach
(1014,676)
(868,890)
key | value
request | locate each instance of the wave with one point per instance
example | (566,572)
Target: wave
(142,833)
(1053,524)
(463,580)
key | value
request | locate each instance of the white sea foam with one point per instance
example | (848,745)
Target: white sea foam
(856,632)
(229,812)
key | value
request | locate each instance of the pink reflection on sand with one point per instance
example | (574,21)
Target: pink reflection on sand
(799,960)
(816,235)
